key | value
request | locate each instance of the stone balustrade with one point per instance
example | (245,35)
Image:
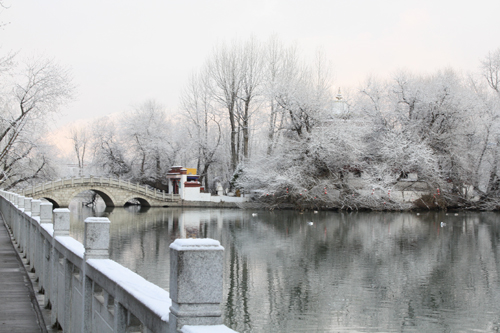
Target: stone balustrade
(88,292)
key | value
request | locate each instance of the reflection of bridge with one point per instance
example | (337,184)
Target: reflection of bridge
(114,192)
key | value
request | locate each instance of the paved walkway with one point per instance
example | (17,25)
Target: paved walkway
(17,298)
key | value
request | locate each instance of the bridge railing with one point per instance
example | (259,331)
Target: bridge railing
(102,181)
(88,292)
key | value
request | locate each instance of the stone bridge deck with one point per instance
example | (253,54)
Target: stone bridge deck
(114,192)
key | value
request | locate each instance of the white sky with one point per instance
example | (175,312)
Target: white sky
(125,52)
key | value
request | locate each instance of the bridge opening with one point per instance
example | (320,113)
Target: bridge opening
(53,202)
(137,202)
(93,198)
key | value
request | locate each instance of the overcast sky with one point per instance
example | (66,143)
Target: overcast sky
(125,52)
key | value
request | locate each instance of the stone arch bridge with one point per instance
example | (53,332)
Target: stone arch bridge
(114,192)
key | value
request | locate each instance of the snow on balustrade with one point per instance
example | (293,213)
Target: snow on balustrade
(149,294)
(88,292)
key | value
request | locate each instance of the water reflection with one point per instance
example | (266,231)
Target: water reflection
(364,272)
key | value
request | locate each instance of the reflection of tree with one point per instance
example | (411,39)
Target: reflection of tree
(237,307)
(363,270)
(380,271)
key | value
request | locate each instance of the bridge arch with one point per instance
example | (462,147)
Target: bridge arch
(142,201)
(106,197)
(54,203)
(107,200)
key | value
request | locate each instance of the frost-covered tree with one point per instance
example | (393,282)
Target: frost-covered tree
(224,70)
(80,140)
(304,93)
(31,91)
(490,68)
(152,144)
(203,124)
(109,152)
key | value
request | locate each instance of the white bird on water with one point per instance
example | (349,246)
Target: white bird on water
(310,223)
(443,224)
(254,214)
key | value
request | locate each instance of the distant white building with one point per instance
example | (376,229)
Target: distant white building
(185,182)
(340,107)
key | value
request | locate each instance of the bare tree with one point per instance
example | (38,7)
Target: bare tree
(274,56)
(109,152)
(251,81)
(304,93)
(80,141)
(36,89)
(490,67)
(152,146)
(204,123)
(224,68)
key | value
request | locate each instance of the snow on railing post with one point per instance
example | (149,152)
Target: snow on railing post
(96,244)
(196,272)
(47,273)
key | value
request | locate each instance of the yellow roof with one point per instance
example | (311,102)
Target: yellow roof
(191,171)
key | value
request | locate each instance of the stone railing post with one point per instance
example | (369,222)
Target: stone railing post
(29,240)
(18,229)
(36,257)
(47,274)
(12,208)
(27,204)
(27,245)
(17,225)
(196,272)
(46,212)
(96,238)
(61,228)
(61,222)
(20,202)
(35,207)
(96,244)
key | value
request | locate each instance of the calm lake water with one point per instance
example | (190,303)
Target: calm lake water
(347,272)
